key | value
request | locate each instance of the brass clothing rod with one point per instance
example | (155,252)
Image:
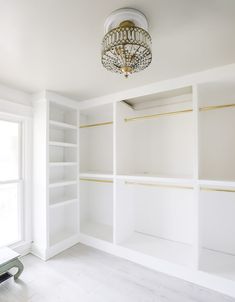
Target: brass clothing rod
(96,125)
(216,107)
(158,185)
(131,119)
(97,180)
(217,189)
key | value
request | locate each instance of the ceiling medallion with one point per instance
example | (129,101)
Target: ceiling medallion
(126,46)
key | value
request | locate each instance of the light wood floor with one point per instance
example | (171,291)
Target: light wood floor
(83,274)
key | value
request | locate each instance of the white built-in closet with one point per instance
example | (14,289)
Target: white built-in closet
(155,182)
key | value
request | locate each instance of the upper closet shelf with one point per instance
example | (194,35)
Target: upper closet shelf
(218,183)
(155,178)
(96,175)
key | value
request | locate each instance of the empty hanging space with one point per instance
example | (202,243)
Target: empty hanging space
(216,135)
(217,207)
(63,223)
(156,219)
(96,208)
(96,140)
(155,135)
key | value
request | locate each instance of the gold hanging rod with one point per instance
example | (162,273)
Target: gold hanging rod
(96,180)
(217,189)
(216,107)
(143,117)
(158,185)
(96,125)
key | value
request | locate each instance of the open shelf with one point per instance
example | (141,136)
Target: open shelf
(62,155)
(59,125)
(62,135)
(155,135)
(62,194)
(62,183)
(96,208)
(62,174)
(62,115)
(156,178)
(63,223)
(62,203)
(96,175)
(156,219)
(62,144)
(216,137)
(96,140)
(220,183)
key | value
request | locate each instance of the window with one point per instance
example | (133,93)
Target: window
(10,182)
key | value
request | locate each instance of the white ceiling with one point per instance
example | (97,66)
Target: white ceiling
(55,44)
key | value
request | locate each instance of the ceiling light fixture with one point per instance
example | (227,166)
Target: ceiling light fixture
(126,46)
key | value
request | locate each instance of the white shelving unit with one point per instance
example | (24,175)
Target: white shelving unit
(58,158)
(169,158)
(156,177)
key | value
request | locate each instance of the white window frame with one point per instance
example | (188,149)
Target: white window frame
(24,181)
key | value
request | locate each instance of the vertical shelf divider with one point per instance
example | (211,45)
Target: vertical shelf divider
(114,172)
(196,247)
(78,172)
(47,113)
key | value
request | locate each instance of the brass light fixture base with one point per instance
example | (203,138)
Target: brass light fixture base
(127,23)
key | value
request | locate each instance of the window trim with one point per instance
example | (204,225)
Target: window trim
(24,181)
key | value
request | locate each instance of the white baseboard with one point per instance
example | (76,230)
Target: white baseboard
(23,247)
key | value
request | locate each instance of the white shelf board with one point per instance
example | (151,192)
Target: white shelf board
(156,178)
(62,183)
(171,251)
(96,175)
(62,144)
(218,263)
(60,203)
(62,164)
(97,230)
(60,125)
(218,183)
(60,237)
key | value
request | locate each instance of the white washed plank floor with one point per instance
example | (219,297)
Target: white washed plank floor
(84,274)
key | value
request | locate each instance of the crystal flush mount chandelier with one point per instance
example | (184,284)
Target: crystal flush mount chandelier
(126,46)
